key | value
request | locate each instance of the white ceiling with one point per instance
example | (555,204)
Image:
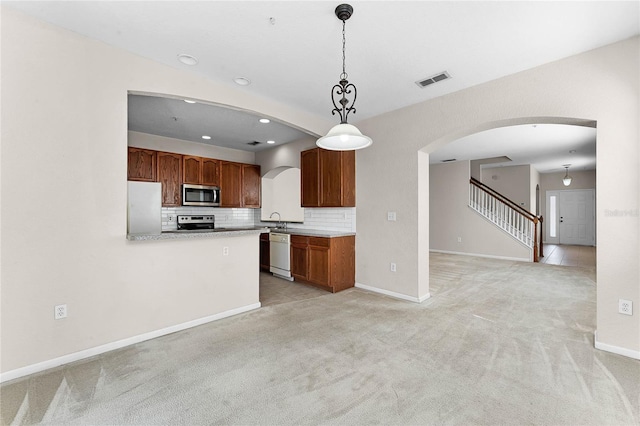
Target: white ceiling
(390,44)
(230,128)
(547,147)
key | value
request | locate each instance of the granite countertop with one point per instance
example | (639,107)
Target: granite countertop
(214,233)
(312,232)
(234,232)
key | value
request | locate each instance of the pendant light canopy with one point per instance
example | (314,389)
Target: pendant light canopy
(566,180)
(344,136)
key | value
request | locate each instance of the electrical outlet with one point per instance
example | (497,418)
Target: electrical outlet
(172,218)
(391,216)
(393,267)
(459,239)
(225,251)
(625,307)
(60,311)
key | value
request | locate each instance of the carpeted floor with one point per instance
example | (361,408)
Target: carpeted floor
(499,342)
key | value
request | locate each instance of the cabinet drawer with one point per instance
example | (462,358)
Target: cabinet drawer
(319,242)
(299,239)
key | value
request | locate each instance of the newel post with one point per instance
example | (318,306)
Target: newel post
(536,258)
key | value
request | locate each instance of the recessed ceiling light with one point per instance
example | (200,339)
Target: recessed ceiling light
(189,101)
(271,142)
(265,120)
(242,81)
(187,59)
(206,137)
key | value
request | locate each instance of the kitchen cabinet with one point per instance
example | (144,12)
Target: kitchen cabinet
(327,263)
(265,258)
(230,184)
(299,257)
(239,185)
(310,177)
(328,178)
(200,170)
(210,172)
(170,175)
(141,165)
(251,186)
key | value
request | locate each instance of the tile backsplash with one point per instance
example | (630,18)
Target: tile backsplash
(325,219)
(225,217)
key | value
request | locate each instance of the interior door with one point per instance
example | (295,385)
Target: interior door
(576,217)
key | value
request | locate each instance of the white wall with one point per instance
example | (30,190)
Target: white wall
(451,218)
(514,182)
(64,133)
(179,146)
(534,181)
(284,155)
(560,92)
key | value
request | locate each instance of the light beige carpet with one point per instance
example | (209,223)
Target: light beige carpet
(499,342)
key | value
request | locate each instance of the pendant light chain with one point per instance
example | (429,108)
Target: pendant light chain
(344,74)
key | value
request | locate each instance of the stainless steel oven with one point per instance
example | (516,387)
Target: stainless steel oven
(200,195)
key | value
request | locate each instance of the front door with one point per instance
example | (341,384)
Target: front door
(571,217)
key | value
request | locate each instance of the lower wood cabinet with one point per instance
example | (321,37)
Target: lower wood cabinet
(328,263)
(265,250)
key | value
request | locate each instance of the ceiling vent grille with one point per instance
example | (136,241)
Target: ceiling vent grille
(254,143)
(433,79)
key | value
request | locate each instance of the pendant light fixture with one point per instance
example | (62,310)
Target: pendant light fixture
(566,180)
(344,136)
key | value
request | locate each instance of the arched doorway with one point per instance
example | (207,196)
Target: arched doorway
(424,242)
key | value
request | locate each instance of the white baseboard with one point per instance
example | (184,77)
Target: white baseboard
(77,356)
(615,349)
(517,259)
(394,294)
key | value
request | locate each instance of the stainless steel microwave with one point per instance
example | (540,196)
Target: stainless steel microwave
(200,195)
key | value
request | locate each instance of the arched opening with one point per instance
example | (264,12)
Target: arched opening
(426,213)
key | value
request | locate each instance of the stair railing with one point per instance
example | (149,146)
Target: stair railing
(507,215)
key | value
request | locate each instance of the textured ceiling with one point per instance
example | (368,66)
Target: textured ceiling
(291,50)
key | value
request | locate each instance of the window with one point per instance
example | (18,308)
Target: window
(552,216)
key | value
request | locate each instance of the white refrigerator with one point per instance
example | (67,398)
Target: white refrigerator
(144,208)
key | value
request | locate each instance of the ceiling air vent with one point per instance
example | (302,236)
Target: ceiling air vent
(433,79)
(254,143)
(449,160)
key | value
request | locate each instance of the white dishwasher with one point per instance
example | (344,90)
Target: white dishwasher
(280,255)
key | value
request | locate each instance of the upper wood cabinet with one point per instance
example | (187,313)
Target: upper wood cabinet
(142,165)
(170,175)
(230,184)
(239,183)
(328,178)
(251,186)
(310,177)
(200,171)
(210,172)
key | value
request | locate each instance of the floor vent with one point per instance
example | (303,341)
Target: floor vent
(433,79)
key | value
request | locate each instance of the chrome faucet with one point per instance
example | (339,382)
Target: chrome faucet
(279,225)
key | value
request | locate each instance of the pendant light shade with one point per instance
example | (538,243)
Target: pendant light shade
(344,136)
(566,180)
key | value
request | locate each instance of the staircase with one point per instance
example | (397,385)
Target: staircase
(519,223)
